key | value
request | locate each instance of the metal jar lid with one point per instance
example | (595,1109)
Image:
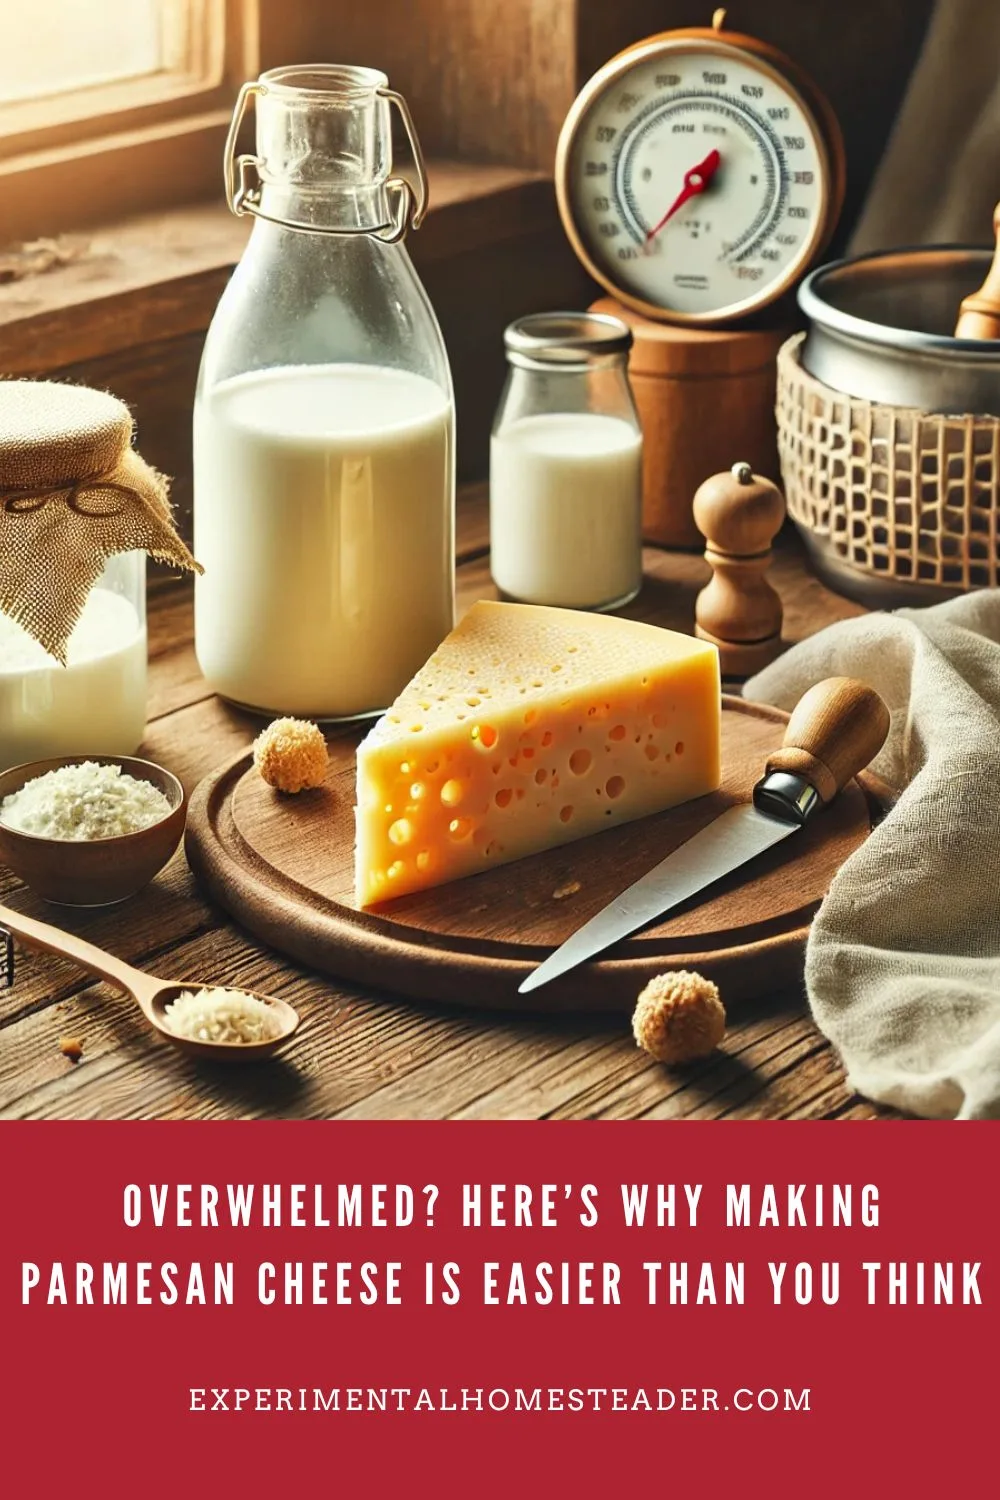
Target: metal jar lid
(566,340)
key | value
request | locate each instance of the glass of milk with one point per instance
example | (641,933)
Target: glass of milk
(96,703)
(324,481)
(566,465)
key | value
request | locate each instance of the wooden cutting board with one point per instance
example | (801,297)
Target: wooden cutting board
(283,867)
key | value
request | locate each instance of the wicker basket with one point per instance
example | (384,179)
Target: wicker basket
(893,503)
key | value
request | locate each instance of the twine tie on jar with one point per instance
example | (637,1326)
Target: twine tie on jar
(25,501)
(62,448)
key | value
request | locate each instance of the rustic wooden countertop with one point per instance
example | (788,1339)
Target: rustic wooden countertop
(361,1054)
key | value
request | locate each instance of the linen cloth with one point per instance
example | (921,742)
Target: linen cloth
(903,959)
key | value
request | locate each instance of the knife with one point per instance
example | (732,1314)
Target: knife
(837,727)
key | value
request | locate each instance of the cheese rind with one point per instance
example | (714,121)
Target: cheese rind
(527,728)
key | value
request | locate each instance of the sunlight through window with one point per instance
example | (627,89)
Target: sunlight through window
(58,46)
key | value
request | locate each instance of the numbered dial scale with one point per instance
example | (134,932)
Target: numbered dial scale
(698,174)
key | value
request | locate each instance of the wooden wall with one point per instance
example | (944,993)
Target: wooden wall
(493,82)
(487,80)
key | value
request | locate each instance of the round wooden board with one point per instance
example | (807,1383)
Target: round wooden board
(283,867)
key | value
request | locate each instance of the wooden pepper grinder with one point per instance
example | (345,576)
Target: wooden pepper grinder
(979,314)
(739,514)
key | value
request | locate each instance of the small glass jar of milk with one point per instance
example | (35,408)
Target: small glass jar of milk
(95,704)
(566,465)
(324,420)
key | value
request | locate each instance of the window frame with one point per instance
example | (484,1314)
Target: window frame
(124,147)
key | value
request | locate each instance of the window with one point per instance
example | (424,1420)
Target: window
(56,48)
(112,105)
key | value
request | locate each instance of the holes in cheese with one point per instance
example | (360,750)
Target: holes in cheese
(629,723)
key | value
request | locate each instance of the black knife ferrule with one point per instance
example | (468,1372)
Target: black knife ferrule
(779,794)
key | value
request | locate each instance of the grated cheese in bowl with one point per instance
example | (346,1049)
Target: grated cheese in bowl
(221,1015)
(83,802)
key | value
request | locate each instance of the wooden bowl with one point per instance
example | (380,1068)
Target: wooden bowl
(93,872)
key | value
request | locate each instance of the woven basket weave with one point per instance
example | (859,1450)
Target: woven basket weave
(888,491)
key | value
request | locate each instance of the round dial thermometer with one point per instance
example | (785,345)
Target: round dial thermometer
(698,174)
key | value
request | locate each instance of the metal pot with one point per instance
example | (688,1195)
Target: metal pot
(881,330)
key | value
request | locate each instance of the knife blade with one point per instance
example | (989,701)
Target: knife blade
(837,727)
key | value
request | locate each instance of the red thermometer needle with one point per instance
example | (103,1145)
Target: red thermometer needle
(695,182)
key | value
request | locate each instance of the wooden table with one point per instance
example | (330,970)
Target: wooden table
(360,1054)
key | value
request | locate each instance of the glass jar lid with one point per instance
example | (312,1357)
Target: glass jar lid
(566,340)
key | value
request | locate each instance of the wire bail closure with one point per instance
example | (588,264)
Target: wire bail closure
(243,180)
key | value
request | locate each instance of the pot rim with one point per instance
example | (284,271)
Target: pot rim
(911,341)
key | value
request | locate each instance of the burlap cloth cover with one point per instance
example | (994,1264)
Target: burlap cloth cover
(72,494)
(903,960)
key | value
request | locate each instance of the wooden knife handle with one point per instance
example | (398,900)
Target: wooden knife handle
(836,729)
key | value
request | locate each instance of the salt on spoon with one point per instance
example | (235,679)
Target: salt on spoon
(155,997)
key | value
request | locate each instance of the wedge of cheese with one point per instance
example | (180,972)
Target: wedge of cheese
(529,727)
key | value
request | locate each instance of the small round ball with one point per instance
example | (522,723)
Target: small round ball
(679,1017)
(291,754)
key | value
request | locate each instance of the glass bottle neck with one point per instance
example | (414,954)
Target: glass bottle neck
(324,148)
(333,207)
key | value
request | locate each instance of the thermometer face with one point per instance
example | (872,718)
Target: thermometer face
(693,180)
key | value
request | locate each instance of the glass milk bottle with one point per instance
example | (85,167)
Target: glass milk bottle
(96,703)
(324,418)
(566,465)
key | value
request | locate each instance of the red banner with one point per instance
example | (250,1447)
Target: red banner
(477,1309)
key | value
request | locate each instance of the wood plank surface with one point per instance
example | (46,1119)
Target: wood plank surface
(360,1054)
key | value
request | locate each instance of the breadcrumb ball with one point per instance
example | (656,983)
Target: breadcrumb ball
(291,755)
(679,1017)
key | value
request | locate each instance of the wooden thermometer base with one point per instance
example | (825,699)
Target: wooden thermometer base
(703,394)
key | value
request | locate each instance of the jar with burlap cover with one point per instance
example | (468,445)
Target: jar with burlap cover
(73,492)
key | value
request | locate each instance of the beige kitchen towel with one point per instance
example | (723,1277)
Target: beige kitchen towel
(903,960)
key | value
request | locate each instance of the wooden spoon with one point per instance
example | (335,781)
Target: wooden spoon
(152,995)
(979,314)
